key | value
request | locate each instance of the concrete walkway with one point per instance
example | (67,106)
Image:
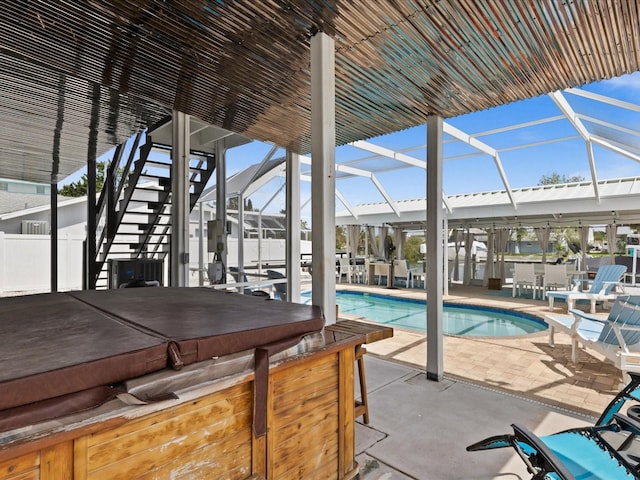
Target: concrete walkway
(419,429)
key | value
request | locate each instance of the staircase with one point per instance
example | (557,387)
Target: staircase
(134,209)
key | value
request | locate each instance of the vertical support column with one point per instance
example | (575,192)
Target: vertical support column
(221,191)
(3,271)
(445,254)
(91,252)
(323,182)
(434,249)
(241,240)
(54,237)
(201,249)
(293,227)
(179,264)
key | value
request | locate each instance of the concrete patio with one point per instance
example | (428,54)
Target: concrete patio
(419,429)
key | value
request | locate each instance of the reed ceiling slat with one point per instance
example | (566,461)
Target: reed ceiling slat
(244,65)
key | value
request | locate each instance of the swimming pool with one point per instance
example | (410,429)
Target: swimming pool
(469,320)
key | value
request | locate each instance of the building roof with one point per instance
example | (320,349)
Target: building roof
(18,204)
(80,77)
(557,205)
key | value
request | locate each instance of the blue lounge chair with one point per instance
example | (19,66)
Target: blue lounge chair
(600,452)
(617,337)
(601,289)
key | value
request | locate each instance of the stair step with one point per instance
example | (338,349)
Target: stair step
(161,164)
(163,189)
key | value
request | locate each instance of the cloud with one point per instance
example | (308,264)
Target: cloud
(629,81)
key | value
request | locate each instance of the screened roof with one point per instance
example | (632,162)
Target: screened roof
(79,77)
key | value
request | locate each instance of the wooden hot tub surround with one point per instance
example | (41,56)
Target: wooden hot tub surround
(207,429)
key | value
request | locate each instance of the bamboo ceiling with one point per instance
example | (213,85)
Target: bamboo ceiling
(80,77)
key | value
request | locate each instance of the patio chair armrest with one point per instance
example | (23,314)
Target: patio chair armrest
(545,458)
(627,423)
(606,285)
(576,285)
(631,328)
(580,315)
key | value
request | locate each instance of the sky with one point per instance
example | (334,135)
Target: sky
(466,171)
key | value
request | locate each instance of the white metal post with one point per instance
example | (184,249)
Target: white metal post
(323,182)
(445,253)
(241,240)
(180,201)
(201,249)
(293,227)
(3,271)
(221,192)
(435,255)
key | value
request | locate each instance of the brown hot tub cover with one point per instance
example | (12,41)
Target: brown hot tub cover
(57,344)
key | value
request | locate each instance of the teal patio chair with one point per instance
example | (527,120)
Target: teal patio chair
(600,452)
(602,288)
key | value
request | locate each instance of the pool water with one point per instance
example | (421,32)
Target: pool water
(467,320)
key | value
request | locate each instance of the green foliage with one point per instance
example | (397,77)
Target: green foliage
(79,188)
(411,249)
(521,234)
(232,204)
(555,178)
(341,238)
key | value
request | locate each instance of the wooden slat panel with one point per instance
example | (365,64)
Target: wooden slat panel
(57,462)
(20,465)
(302,376)
(173,453)
(80,458)
(346,432)
(229,460)
(303,434)
(259,453)
(371,331)
(308,451)
(31,475)
(211,401)
(175,439)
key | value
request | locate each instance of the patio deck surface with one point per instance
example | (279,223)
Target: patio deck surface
(419,429)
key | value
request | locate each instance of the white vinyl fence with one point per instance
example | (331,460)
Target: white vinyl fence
(25,260)
(25,263)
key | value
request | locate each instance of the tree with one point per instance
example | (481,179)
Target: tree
(341,238)
(555,178)
(232,204)
(411,249)
(80,188)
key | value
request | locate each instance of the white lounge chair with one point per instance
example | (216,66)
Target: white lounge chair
(346,269)
(555,278)
(524,275)
(602,288)
(617,336)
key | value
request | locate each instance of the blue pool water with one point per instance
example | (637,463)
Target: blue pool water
(467,320)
